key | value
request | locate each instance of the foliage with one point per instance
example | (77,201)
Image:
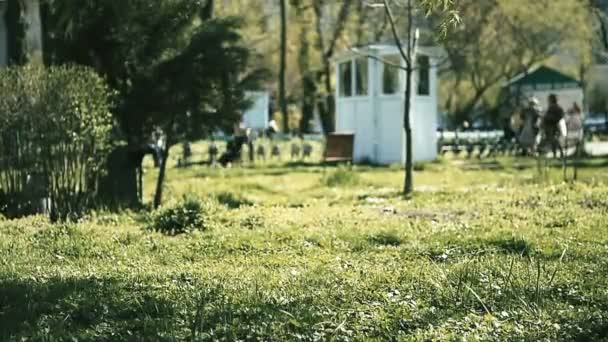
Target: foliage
(177,70)
(342,176)
(419,166)
(599,10)
(232,200)
(510,38)
(54,130)
(477,256)
(162,76)
(191,213)
(598,102)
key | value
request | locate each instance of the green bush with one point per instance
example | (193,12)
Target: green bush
(54,136)
(189,214)
(419,166)
(232,200)
(341,177)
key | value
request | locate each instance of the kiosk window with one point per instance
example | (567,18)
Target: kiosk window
(346,84)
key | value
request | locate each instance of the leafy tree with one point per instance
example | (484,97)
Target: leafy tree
(509,39)
(176,68)
(599,10)
(203,85)
(54,127)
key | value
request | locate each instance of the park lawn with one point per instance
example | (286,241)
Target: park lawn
(486,250)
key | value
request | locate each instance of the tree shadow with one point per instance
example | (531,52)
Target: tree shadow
(385,239)
(492,165)
(512,246)
(92,309)
(254,319)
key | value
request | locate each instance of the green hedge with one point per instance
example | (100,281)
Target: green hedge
(54,130)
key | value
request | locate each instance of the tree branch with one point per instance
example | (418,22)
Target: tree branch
(391,20)
(603,29)
(341,22)
(356,51)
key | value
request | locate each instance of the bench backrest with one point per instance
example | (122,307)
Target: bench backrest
(339,146)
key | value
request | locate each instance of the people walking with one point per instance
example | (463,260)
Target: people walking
(551,125)
(529,130)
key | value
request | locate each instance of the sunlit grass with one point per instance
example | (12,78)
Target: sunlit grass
(486,250)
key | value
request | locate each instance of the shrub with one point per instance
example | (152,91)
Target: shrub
(54,135)
(342,176)
(419,166)
(233,201)
(385,239)
(252,222)
(182,217)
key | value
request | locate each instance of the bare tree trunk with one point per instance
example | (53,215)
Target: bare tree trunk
(32,43)
(283,67)
(328,117)
(207,11)
(140,183)
(408,55)
(3,35)
(327,108)
(309,88)
(24,31)
(158,195)
(602,26)
(407,126)
(308,102)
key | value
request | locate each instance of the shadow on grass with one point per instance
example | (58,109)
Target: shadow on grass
(512,246)
(286,168)
(527,163)
(385,239)
(232,200)
(491,165)
(262,170)
(454,250)
(77,309)
(58,309)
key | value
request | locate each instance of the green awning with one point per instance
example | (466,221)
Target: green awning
(545,78)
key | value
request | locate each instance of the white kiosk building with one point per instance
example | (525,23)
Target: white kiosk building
(370,101)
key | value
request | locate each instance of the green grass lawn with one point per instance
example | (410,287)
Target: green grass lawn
(486,250)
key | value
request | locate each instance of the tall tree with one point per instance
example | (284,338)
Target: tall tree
(208,10)
(327,40)
(510,38)
(599,9)
(3,35)
(24,26)
(408,53)
(283,67)
(307,79)
(156,54)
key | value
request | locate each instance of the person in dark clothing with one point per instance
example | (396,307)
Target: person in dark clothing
(550,125)
(235,146)
(213,151)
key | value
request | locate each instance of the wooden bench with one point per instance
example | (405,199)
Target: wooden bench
(339,147)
